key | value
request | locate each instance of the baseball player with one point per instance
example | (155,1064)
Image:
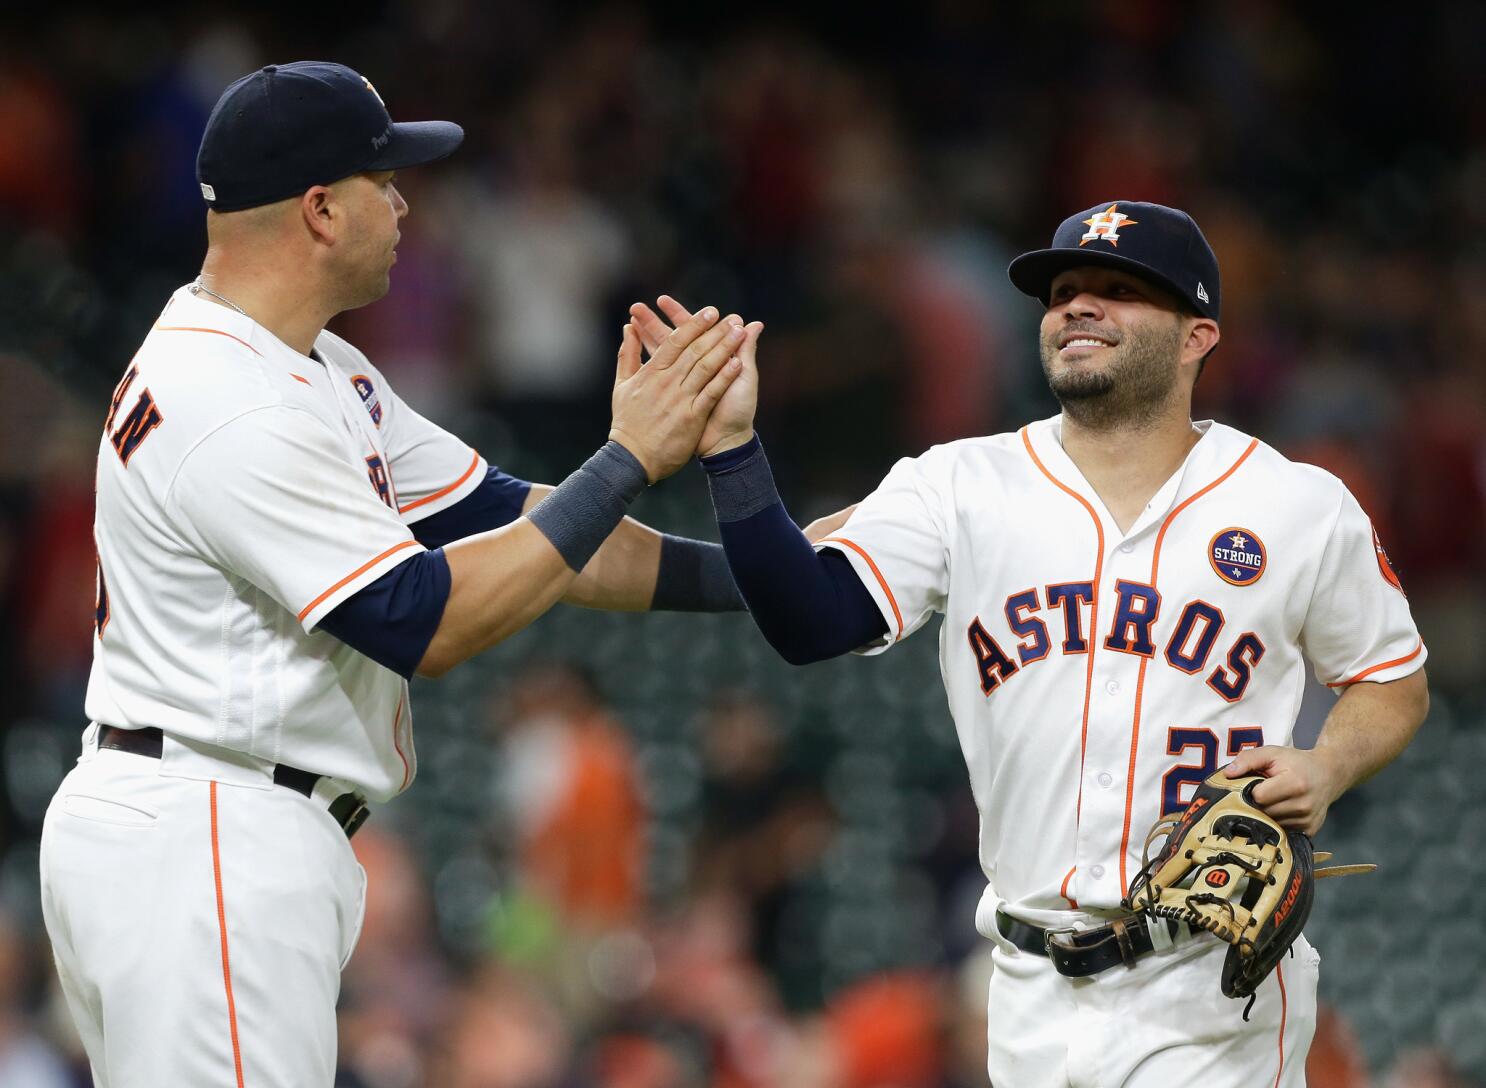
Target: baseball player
(1130,600)
(282,543)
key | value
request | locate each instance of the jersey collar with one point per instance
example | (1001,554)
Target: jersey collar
(1212,454)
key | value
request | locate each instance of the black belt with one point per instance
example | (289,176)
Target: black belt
(1083,952)
(349,809)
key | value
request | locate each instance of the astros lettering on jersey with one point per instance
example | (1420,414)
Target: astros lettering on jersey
(1094,676)
(209,632)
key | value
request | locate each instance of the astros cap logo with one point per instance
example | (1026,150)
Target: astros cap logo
(1106,225)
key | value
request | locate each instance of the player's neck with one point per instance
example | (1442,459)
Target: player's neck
(286,308)
(1128,465)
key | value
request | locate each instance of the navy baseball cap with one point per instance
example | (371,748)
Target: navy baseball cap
(286,127)
(1159,244)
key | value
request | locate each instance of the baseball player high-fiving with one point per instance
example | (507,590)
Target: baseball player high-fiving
(282,543)
(1130,600)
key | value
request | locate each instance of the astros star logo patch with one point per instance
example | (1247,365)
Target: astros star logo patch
(1237,556)
(1107,225)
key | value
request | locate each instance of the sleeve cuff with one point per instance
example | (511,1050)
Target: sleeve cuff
(882,594)
(311,614)
(1384,671)
(447,496)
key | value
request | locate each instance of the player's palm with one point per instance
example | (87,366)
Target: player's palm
(731,422)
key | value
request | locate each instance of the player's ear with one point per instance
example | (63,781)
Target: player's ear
(318,209)
(1202,337)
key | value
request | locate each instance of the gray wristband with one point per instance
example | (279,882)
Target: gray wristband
(694,577)
(741,482)
(585,508)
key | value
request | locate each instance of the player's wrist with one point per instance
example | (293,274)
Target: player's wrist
(735,440)
(637,450)
(580,513)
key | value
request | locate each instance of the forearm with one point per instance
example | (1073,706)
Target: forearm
(1370,725)
(502,580)
(499,582)
(621,575)
(808,606)
(638,569)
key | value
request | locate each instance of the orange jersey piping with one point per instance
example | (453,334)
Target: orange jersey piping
(1092,634)
(1063,888)
(1279,970)
(897,615)
(373,561)
(474,464)
(1144,661)
(407,770)
(1365,673)
(217,332)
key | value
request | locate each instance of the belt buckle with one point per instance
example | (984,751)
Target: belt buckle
(1050,933)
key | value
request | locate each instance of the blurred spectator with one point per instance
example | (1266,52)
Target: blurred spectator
(861,194)
(569,782)
(541,257)
(1335,1059)
(1425,1069)
(395,992)
(26,1060)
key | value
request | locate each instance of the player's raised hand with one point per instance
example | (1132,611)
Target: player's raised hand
(731,424)
(661,408)
(1299,787)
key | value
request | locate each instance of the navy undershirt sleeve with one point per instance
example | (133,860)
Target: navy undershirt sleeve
(393,619)
(809,605)
(496,502)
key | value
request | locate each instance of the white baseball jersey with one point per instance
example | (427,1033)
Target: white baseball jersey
(1096,676)
(245,490)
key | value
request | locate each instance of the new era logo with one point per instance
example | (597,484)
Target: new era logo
(208,192)
(1202,292)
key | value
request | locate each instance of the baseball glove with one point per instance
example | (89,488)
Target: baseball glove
(1231,869)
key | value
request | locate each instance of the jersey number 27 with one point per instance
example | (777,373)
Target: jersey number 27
(1179,739)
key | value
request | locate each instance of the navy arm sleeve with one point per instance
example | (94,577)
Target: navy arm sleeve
(809,605)
(393,619)
(496,502)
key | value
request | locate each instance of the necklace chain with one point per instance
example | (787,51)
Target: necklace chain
(197,287)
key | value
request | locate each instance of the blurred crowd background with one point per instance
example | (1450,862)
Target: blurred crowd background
(643,853)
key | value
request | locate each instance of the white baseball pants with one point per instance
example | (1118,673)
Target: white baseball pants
(1162,1022)
(199,925)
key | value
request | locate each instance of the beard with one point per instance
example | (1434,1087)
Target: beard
(1129,389)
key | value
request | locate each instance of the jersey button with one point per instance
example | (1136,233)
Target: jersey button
(1113,687)
(1097,872)
(1106,779)
(1127,548)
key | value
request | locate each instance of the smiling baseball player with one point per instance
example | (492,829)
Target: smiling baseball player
(1130,600)
(282,543)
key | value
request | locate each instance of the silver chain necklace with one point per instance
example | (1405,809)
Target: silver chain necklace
(197,287)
